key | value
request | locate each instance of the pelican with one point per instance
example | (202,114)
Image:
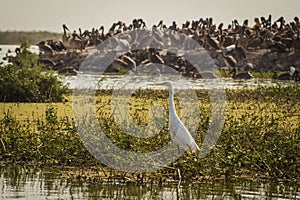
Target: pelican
(47,49)
(230,61)
(154,57)
(284,76)
(47,62)
(243,75)
(211,42)
(255,42)
(297,42)
(120,64)
(67,71)
(240,52)
(249,66)
(130,61)
(124,63)
(75,42)
(257,23)
(296,75)
(287,75)
(65,37)
(242,40)
(178,132)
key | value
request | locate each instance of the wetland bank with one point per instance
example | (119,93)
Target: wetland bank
(260,138)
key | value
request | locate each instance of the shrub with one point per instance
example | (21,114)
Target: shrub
(28,82)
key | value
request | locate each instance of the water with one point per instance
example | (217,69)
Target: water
(82,81)
(21,183)
(135,82)
(6,48)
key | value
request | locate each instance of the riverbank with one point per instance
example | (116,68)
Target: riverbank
(260,138)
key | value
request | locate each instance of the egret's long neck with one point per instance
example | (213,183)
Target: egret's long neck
(171,101)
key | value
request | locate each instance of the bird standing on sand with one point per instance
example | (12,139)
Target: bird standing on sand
(179,133)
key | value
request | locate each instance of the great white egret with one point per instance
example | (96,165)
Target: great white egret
(178,132)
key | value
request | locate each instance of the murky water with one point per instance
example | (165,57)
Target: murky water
(134,82)
(21,183)
(142,82)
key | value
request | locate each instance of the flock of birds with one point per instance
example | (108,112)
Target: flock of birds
(231,43)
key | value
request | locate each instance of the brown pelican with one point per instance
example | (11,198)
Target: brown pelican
(256,41)
(269,21)
(227,40)
(230,61)
(17,50)
(296,43)
(130,62)
(47,62)
(242,75)
(284,76)
(282,23)
(279,47)
(154,57)
(12,59)
(60,64)
(287,75)
(288,42)
(296,75)
(45,48)
(67,71)
(76,42)
(257,25)
(173,26)
(65,37)
(212,43)
(239,52)
(249,66)
(160,24)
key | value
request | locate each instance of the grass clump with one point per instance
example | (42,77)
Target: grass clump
(48,141)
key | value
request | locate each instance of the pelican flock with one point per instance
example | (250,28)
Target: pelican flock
(268,45)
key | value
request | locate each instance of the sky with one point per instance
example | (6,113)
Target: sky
(49,15)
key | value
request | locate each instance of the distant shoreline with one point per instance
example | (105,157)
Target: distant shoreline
(31,37)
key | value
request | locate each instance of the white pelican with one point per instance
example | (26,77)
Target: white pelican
(178,132)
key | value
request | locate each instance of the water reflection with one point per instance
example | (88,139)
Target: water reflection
(23,183)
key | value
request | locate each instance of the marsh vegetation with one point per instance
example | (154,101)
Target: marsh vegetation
(260,138)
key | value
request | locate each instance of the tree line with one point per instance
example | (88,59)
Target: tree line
(31,37)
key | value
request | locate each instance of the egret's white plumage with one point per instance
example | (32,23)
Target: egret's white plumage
(179,133)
